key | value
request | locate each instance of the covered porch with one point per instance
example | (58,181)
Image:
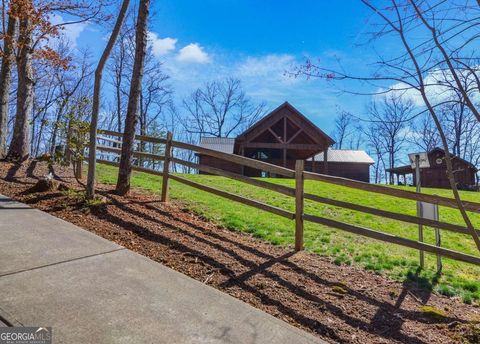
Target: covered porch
(282,137)
(400,175)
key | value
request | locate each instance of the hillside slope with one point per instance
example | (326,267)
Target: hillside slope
(339,303)
(398,262)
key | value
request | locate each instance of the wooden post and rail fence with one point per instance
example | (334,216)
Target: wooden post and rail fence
(298,193)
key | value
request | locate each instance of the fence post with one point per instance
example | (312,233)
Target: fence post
(299,186)
(79,155)
(166,167)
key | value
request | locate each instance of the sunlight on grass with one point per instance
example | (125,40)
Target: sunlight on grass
(459,279)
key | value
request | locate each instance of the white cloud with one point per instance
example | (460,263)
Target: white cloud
(70,31)
(267,74)
(438,87)
(161,46)
(263,79)
(266,65)
(193,53)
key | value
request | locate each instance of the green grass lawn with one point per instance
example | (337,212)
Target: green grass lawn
(401,263)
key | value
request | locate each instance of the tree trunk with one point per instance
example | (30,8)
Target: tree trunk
(6,80)
(53,139)
(20,145)
(68,147)
(125,170)
(96,100)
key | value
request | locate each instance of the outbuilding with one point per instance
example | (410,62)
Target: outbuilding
(435,176)
(282,137)
(346,163)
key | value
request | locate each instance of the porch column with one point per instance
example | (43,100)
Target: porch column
(242,167)
(285,141)
(325,162)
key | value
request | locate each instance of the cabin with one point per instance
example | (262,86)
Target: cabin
(436,175)
(282,137)
(346,163)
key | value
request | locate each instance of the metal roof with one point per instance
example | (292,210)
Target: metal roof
(221,144)
(226,144)
(346,155)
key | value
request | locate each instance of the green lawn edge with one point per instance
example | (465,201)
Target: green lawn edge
(458,279)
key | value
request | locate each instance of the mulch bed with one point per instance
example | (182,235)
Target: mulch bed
(337,303)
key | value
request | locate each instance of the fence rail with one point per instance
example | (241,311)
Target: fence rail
(233,197)
(219,172)
(389,191)
(135,153)
(298,193)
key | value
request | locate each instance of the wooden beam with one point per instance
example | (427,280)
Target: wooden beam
(295,135)
(260,127)
(109,132)
(236,198)
(137,137)
(325,161)
(135,168)
(390,215)
(109,140)
(390,238)
(275,135)
(309,128)
(256,182)
(166,167)
(242,153)
(135,153)
(299,203)
(297,146)
(237,159)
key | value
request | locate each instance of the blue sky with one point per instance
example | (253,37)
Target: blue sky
(256,41)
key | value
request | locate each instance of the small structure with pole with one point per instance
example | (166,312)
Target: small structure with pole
(419,161)
(435,176)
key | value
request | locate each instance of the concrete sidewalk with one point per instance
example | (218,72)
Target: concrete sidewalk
(91,290)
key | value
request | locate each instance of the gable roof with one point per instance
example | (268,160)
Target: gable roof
(221,144)
(438,149)
(300,116)
(408,168)
(346,155)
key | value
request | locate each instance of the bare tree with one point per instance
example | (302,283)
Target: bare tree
(125,170)
(20,145)
(68,87)
(343,127)
(6,74)
(432,36)
(356,138)
(425,134)
(35,28)
(96,99)
(46,95)
(220,109)
(118,70)
(376,148)
(156,94)
(390,117)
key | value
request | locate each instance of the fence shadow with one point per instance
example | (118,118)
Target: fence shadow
(207,246)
